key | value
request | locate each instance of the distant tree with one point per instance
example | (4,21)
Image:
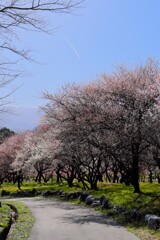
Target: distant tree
(8,152)
(35,156)
(5,133)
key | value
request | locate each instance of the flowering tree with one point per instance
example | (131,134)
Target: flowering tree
(136,95)
(70,113)
(8,151)
(35,155)
(112,118)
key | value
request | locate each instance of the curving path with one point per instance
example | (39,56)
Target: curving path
(56,220)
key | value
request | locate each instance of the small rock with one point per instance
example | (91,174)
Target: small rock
(89,200)
(137,215)
(119,209)
(96,203)
(83,196)
(5,193)
(101,199)
(153,221)
(105,204)
(148,216)
(48,193)
(63,195)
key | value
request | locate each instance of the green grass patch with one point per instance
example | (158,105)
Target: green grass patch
(22,227)
(123,195)
(40,186)
(5,214)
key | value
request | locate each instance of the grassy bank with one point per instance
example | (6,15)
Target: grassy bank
(4,216)
(23,224)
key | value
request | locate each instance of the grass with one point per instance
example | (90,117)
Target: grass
(21,228)
(118,194)
(146,203)
(40,186)
(4,216)
(123,195)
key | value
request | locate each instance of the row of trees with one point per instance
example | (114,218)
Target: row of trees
(112,122)
(109,128)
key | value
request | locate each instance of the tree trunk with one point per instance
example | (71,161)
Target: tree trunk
(39,176)
(135,168)
(70,182)
(59,179)
(158,177)
(108,177)
(19,182)
(94,185)
(150,177)
(115,178)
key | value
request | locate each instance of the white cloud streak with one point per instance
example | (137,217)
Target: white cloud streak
(70,45)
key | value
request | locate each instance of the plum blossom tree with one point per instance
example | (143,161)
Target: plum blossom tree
(36,155)
(112,117)
(8,151)
(136,94)
(70,112)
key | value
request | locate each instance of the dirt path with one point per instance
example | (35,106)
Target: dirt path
(56,220)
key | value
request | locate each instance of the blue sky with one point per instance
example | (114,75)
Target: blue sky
(94,39)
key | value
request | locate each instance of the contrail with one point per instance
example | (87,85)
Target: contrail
(71,45)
